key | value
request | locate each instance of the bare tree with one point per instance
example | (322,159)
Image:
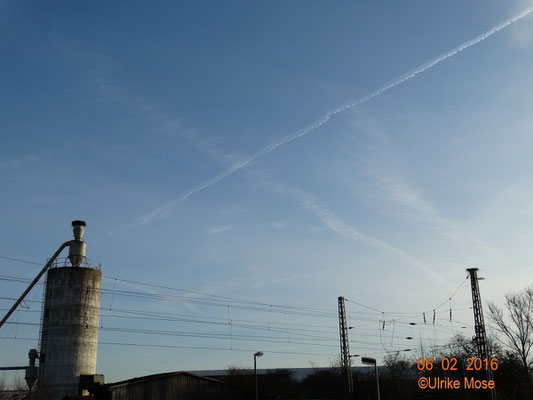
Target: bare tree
(19,384)
(399,366)
(515,323)
(238,369)
(463,347)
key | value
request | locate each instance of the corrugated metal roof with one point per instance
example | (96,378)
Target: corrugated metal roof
(158,376)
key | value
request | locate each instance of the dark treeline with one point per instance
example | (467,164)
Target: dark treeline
(450,372)
(398,379)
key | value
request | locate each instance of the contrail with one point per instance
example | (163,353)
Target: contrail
(328,218)
(163,210)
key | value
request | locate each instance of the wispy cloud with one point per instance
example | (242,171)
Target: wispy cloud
(215,230)
(102,75)
(162,210)
(280,279)
(256,277)
(16,162)
(276,225)
(380,168)
(404,196)
(522,34)
(334,223)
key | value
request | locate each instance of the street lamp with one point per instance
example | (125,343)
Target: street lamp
(372,361)
(258,354)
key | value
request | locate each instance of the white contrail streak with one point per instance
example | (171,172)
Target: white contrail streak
(163,210)
(328,218)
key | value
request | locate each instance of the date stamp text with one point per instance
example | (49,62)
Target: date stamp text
(451,364)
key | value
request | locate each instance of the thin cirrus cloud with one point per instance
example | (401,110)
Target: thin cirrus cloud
(100,71)
(215,230)
(379,176)
(409,202)
(399,192)
(163,210)
(15,163)
(334,223)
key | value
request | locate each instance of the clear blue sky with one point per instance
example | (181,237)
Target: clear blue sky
(150,121)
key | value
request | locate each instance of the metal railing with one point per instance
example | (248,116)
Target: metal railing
(65,262)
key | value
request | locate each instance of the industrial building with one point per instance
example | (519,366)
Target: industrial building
(168,386)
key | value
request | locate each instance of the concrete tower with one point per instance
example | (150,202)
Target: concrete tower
(69,336)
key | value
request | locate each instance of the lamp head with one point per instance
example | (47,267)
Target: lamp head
(258,354)
(368,360)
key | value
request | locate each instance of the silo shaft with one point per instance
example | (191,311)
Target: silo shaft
(69,338)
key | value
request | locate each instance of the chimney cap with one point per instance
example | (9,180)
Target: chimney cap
(78,222)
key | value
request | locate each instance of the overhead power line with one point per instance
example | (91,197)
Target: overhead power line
(270,307)
(288,332)
(411,313)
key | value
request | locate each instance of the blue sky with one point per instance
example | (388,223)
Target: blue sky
(149,122)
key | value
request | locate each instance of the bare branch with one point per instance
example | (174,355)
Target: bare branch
(515,323)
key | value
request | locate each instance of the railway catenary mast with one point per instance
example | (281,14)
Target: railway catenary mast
(480,339)
(345,349)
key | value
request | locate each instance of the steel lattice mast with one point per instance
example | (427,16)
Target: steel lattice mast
(482,348)
(345,348)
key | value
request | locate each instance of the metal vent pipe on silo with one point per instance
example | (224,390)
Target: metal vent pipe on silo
(69,333)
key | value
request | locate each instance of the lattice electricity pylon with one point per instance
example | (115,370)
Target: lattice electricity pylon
(345,348)
(479,325)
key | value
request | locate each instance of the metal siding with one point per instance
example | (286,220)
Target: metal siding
(172,387)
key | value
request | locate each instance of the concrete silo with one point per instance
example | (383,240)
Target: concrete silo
(69,332)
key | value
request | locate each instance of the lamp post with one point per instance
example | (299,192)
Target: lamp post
(372,361)
(258,354)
